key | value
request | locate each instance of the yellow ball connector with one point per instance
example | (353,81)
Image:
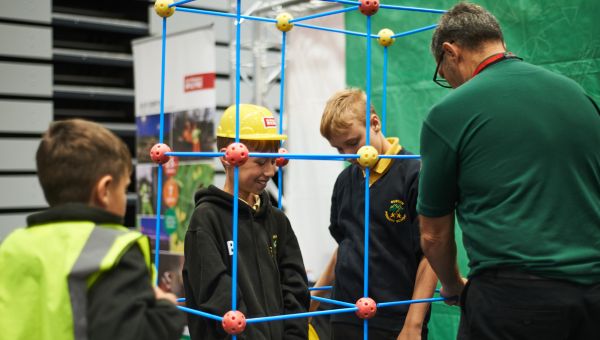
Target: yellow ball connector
(368,156)
(283,22)
(385,37)
(162,8)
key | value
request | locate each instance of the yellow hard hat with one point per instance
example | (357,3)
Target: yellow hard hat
(256,123)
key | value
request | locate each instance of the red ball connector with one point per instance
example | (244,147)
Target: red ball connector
(234,322)
(280,161)
(368,7)
(236,154)
(158,153)
(367,308)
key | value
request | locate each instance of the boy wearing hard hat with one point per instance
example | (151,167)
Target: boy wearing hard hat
(271,279)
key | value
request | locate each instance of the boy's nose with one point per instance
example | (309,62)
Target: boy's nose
(270,169)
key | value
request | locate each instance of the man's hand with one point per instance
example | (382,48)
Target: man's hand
(410,332)
(452,292)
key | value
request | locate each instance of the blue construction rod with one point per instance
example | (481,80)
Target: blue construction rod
(158,208)
(180,300)
(161,139)
(179,3)
(305,156)
(195,154)
(236,170)
(344,2)
(279,187)
(321,288)
(358,34)
(384,93)
(400,156)
(413,9)
(281,111)
(201,11)
(319,15)
(238,39)
(367,178)
(368,89)
(301,315)
(234,271)
(403,34)
(223,14)
(249,17)
(333,302)
(338,157)
(408,302)
(161,134)
(366,255)
(204,314)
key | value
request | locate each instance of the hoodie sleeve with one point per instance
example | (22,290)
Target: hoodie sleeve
(294,285)
(122,305)
(207,271)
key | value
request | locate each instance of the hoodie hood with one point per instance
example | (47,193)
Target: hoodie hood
(224,199)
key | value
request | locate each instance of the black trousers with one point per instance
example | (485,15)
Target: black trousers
(512,305)
(343,331)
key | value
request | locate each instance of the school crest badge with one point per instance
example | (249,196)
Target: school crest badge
(395,213)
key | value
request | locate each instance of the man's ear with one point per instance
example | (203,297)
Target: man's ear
(101,192)
(451,50)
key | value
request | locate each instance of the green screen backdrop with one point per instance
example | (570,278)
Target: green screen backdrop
(559,35)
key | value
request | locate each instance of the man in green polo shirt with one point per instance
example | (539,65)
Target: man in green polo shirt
(513,152)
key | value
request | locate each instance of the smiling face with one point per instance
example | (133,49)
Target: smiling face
(255,173)
(254,176)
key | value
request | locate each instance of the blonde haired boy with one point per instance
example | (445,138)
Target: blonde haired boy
(397,268)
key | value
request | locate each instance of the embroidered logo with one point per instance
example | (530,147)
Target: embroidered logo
(395,213)
(273,247)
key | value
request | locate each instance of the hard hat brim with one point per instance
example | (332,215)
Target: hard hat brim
(254,136)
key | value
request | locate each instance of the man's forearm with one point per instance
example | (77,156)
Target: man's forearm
(439,246)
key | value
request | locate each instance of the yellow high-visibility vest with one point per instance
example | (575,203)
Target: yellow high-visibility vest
(47,270)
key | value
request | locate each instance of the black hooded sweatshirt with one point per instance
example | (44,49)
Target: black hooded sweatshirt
(271,274)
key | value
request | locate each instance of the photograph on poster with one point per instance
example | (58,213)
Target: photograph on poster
(194,130)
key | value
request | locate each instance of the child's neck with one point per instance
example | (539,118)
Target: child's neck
(247,197)
(385,144)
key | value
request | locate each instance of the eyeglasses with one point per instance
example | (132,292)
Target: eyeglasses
(440,81)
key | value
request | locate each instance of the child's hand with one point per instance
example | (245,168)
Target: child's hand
(160,295)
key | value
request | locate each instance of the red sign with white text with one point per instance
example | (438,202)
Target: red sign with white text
(200,81)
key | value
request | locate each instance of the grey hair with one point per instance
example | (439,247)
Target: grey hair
(468,25)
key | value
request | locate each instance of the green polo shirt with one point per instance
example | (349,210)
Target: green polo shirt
(516,152)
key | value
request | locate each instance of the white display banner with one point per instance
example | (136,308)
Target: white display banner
(189,71)
(189,126)
(315,70)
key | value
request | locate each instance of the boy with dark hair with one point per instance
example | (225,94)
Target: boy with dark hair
(398,270)
(271,275)
(75,272)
